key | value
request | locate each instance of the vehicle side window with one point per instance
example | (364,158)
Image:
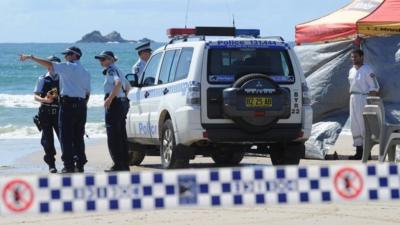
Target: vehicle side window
(166,67)
(174,65)
(183,66)
(150,73)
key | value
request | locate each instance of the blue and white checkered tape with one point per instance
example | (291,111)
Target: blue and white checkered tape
(226,187)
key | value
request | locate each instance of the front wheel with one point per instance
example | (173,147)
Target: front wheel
(172,157)
(287,154)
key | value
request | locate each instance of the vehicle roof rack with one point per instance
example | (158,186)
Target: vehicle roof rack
(182,33)
(273,37)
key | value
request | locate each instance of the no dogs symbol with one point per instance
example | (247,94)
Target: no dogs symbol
(348,183)
(18,195)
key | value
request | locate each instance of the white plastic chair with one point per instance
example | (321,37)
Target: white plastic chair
(378,128)
(372,130)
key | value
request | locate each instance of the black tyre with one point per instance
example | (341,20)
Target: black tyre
(286,154)
(136,154)
(172,157)
(227,158)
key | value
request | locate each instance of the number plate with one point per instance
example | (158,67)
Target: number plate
(258,102)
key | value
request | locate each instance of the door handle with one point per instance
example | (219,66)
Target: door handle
(146,94)
(165,91)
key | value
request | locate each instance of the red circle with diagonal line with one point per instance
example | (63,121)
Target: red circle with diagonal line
(348,183)
(18,195)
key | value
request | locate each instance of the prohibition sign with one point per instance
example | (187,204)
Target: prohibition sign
(348,183)
(18,195)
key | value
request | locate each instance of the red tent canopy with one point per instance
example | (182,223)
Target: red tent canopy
(338,25)
(385,20)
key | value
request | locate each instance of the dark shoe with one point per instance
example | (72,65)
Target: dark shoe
(67,170)
(79,169)
(117,168)
(358,155)
(52,169)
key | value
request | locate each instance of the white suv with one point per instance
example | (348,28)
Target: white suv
(221,96)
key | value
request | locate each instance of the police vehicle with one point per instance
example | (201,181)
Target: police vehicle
(219,92)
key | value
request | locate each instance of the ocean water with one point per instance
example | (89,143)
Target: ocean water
(18,134)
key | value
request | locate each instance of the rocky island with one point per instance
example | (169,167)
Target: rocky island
(97,37)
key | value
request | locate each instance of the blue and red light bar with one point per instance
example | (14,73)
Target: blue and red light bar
(212,31)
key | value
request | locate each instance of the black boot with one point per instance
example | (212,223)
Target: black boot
(52,168)
(358,155)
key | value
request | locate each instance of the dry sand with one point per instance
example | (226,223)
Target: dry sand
(380,213)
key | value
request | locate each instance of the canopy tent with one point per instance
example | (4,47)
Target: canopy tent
(385,20)
(338,25)
(326,63)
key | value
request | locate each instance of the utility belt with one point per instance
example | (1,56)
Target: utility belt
(357,93)
(73,100)
(49,109)
(121,99)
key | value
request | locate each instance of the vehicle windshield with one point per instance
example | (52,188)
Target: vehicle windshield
(228,65)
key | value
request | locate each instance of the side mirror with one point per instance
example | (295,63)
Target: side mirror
(133,79)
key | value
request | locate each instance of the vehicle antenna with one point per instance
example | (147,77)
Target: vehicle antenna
(187,12)
(233,20)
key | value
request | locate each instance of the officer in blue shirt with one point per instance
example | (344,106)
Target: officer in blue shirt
(116,106)
(144,52)
(46,92)
(74,94)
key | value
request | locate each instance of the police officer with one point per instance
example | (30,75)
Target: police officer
(363,82)
(46,91)
(74,94)
(144,52)
(116,106)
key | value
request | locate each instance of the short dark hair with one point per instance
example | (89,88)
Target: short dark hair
(359,52)
(146,50)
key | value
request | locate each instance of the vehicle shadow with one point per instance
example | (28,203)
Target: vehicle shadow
(204,165)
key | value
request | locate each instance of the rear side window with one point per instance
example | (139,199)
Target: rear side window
(166,66)
(228,65)
(183,66)
(150,73)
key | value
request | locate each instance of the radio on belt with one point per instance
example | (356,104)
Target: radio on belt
(212,31)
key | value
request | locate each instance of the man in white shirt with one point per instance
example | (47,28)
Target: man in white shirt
(363,82)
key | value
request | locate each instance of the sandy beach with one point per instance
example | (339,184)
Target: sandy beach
(381,213)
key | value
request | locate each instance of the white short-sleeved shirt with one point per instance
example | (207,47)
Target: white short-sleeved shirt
(362,80)
(113,74)
(74,79)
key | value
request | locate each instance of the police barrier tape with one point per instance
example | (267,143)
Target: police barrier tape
(225,187)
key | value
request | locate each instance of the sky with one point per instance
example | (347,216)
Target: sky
(53,21)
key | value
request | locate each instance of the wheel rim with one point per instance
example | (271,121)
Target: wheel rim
(167,144)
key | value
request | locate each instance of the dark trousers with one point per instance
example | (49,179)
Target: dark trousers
(49,121)
(116,132)
(72,122)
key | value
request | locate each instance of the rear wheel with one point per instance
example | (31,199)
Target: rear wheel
(172,157)
(227,157)
(136,154)
(287,154)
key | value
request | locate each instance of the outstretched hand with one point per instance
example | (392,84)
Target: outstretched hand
(24,57)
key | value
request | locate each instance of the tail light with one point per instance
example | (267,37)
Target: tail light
(306,94)
(193,94)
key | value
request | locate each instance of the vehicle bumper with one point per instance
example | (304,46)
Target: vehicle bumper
(307,121)
(232,134)
(188,129)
